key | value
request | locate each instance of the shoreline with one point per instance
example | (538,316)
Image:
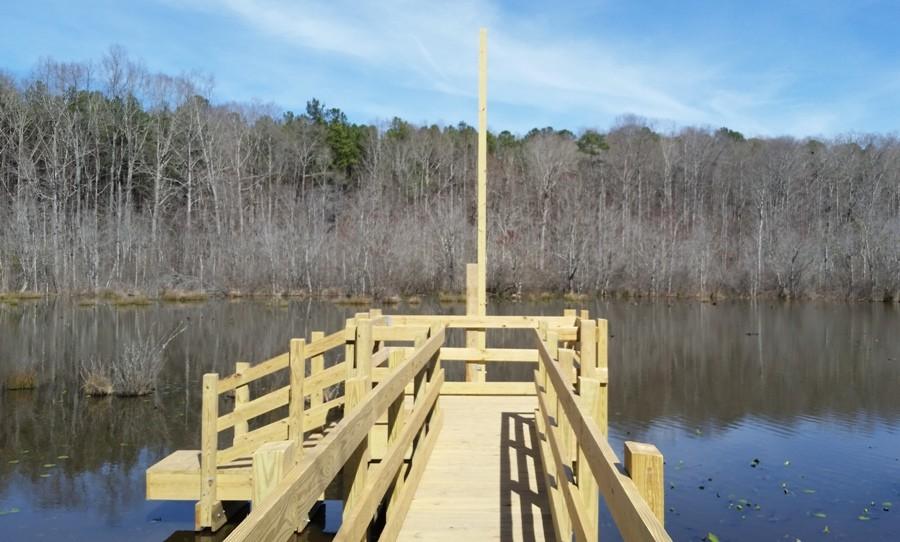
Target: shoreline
(126,298)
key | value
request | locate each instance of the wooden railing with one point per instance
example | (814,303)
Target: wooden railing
(478,357)
(385,488)
(579,464)
(303,396)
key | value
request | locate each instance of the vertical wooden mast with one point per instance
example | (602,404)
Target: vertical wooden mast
(482,173)
(476,273)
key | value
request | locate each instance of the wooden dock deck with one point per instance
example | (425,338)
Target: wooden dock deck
(485,479)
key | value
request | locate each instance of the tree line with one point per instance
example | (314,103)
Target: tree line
(114,177)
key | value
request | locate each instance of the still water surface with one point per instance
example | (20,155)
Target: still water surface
(778,422)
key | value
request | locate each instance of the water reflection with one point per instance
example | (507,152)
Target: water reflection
(714,386)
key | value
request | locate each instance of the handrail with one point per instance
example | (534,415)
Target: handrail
(572,432)
(279,362)
(279,515)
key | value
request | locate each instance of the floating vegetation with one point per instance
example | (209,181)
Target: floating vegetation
(131,300)
(826,530)
(49,465)
(821,515)
(8,511)
(451,297)
(23,379)
(863,517)
(62,457)
(176,295)
(354,300)
(13,461)
(710,537)
(45,475)
(809,491)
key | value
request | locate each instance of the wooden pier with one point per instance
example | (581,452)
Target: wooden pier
(430,459)
(366,415)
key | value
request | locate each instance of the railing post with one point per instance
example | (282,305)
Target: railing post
(644,464)
(587,340)
(567,437)
(241,398)
(317,365)
(297,401)
(271,462)
(603,376)
(357,465)
(589,390)
(209,511)
(396,419)
(364,347)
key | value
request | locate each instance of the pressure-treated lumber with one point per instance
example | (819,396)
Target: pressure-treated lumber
(482,172)
(277,518)
(241,398)
(271,462)
(316,366)
(209,511)
(633,516)
(479,485)
(644,464)
(297,399)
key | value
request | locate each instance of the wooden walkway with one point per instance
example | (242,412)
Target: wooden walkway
(485,479)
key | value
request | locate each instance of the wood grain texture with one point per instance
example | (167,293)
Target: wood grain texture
(483,481)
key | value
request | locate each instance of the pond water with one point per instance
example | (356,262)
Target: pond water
(777,421)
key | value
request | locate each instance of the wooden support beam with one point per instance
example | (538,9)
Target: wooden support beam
(209,512)
(587,340)
(589,390)
(476,371)
(602,417)
(317,365)
(298,399)
(241,398)
(482,172)
(644,464)
(357,465)
(271,462)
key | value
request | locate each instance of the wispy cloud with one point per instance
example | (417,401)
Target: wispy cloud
(579,65)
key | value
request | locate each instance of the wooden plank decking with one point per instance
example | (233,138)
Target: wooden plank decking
(484,480)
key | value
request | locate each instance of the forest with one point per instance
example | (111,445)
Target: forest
(113,177)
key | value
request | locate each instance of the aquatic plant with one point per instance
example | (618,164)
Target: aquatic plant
(134,373)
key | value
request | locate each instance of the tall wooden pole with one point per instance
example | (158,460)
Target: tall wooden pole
(482,173)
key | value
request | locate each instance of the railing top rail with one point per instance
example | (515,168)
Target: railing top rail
(279,362)
(632,515)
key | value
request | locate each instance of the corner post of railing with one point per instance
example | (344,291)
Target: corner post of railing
(241,398)
(209,511)
(296,410)
(644,464)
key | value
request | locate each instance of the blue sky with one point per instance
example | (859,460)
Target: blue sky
(820,68)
